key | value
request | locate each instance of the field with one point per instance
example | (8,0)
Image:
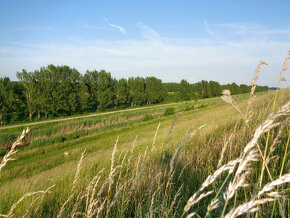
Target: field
(140,163)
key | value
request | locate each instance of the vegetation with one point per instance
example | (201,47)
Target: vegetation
(205,89)
(169,111)
(90,125)
(58,91)
(136,171)
(227,160)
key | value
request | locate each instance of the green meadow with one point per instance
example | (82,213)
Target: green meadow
(136,163)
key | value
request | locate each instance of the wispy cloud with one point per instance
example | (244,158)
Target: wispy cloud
(147,32)
(152,55)
(35,28)
(244,31)
(120,28)
(87,26)
(208,30)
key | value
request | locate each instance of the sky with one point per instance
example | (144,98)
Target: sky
(219,40)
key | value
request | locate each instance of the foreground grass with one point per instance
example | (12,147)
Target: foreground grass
(149,179)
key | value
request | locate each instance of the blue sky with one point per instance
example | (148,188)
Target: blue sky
(210,39)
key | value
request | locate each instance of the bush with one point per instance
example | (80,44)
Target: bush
(8,138)
(202,106)
(147,117)
(59,139)
(189,107)
(38,142)
(169,111)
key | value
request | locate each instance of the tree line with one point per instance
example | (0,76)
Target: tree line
(205,89)
(55,91)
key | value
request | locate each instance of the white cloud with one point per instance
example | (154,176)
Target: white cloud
(34,28)
(87,26)
(152,55)
(147,32)
(207,29)
(121,29)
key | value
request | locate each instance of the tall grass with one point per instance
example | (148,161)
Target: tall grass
(214,171)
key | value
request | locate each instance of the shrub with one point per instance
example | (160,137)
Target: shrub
(38,142)
(202,106)
(147,117)
(189,107)
(169,111)
(59,139)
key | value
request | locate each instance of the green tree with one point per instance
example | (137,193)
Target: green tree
(29,82)
(155,91)
(105,90)
(185,90)
(5,100)
(90,79)
(121,93)
(244,88)
(137,91)
(214,89)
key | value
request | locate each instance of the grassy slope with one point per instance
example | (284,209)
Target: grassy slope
(40,167)
(7,136)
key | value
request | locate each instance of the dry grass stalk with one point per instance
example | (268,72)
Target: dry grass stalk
(171,168)
(267,125)
(284,68)
(227,98)
(174,199)
(12,150)
(26,195)
(284,123)
(253,84)
(171,128)
(76,205)
(155,136)
(214,204)
(230,166)
(134,144)
(91,191)
(78,170)
(192,215)
(248,156)
(224,149)
(199,128)
(29,207)
(248,207)
(270,186)
(63,206)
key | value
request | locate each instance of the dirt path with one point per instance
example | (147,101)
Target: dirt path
(86,116)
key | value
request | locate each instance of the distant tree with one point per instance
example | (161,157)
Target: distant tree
(155,92)
(121,93)
(172,87)
(234,88)
(214,89)
(5,100)
(244,88)
(90,79)
(12,101)
(29,82)
(137,91)
(185,90)
(105,90)
(19,106)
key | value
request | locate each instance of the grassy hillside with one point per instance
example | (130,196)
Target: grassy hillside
(132,167)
